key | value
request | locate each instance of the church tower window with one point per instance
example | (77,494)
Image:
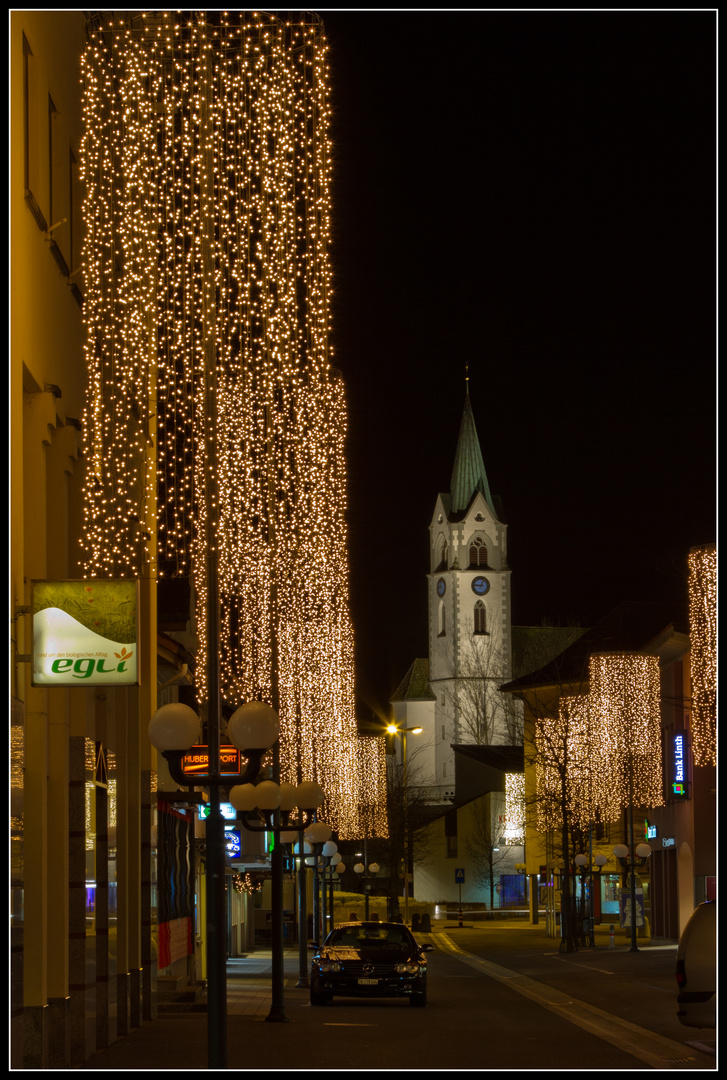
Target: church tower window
(442,623)
(480,618)
(478,553)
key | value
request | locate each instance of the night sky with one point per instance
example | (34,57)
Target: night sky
(531,193)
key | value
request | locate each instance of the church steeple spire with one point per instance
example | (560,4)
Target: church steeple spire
(468,474)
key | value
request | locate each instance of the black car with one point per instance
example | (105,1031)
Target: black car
(369,959)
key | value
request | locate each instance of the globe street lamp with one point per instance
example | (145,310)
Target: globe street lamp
(373,869)
(394,729)
(587,882)
(272,806)
(629,863)
(253,729)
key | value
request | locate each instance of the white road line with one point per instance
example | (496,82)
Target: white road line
(655,1050)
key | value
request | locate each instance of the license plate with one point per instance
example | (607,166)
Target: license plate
(368,982)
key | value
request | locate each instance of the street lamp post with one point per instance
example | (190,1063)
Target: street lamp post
(587,881)
(373,869)
(394,729)
(267,807)
(629,863)
(253,729)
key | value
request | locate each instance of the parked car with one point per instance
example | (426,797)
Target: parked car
(696,968)
(369,959)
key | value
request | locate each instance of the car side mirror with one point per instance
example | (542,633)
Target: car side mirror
(313,945)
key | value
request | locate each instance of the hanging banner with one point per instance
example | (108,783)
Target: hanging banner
(85,633)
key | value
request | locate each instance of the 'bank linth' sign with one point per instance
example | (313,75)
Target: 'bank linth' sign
(85,633)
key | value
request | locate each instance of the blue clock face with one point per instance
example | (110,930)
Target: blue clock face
(480,585)
(441,587)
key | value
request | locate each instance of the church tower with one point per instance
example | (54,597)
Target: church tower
(470,649)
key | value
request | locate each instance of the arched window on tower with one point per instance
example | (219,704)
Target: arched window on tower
(443,556)
(478,553)
(480,618)
(442,624)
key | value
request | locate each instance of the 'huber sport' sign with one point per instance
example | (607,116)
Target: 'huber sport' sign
(85,633)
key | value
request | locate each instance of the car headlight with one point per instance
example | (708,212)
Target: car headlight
(411,967)
(328,965)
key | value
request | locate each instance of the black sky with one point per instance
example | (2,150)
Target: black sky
(532,193)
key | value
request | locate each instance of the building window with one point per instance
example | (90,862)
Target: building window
(478,553)
(480,618)
(34,151)
(442,620)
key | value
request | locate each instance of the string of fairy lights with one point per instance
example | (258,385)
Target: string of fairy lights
(207,164)
(604,747)
(703,652)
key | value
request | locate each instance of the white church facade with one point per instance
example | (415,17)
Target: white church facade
(453,696)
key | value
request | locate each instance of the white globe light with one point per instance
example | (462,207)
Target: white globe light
(374,868)
(643,851)
(340,867)
(620,851)
(287,836)
(267,795)
(359,868)
(243,797)
(329,848)
(335,859)
(581,860)
(174,727)
(318,832)
(309,795)
(288,796)
(306,849)
(254,726)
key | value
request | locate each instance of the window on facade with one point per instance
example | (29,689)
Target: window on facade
(480,618)
(35,148)
(478,553)
(442,621)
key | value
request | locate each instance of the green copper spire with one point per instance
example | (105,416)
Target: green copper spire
(468,474)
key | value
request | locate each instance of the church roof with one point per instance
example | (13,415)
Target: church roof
(415,684)
(468,474)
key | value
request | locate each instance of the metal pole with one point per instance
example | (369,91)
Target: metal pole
(215,827)
(634,946)
(302,917)
(406,831)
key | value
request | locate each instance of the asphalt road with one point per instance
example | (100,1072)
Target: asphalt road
(500,997)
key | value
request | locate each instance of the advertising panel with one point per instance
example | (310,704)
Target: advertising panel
(85,633)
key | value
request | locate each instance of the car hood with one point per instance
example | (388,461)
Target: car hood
(392,955)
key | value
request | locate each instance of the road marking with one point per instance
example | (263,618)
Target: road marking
(577,963)
(655,1050)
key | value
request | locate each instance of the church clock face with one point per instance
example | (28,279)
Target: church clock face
(480,585)
(441,587)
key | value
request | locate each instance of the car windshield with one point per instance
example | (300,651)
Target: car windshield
(356,937)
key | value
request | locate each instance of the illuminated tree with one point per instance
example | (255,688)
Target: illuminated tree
(207,164)
(484,715)
(703,652)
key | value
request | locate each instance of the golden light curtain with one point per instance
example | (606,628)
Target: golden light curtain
(207,163)
(703,652)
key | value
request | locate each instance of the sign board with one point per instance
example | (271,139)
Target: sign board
(197,760)
(85,632)
(233,843)
(459,875)
(226,809)
(678,757)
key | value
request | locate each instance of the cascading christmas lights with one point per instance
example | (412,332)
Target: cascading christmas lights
(703,652)
(625,695)
(206,159)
